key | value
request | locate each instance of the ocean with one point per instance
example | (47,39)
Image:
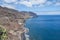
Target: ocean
(44,27)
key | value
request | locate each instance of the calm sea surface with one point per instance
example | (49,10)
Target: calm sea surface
(44,27)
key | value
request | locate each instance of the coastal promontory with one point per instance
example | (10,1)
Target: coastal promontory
(12,23)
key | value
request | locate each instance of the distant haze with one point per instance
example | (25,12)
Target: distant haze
(49,13)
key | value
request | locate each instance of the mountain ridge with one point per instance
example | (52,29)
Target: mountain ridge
(14,22)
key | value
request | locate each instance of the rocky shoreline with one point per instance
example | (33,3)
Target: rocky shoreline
(14,23)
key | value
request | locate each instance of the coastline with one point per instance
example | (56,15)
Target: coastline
(14,22)
(26,34)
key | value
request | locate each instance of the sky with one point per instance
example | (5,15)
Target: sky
(40,7)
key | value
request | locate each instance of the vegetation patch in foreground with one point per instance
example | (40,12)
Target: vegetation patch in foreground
(3,33)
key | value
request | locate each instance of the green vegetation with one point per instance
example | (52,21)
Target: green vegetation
(3,34)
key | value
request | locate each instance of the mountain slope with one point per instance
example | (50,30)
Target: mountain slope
(13,21)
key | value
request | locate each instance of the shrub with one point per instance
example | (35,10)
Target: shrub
(3,33)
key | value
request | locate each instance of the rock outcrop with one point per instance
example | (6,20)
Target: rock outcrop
(13,22)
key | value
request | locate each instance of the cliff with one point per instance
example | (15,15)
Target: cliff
(13,21)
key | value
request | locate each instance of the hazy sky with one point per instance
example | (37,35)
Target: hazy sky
(41,7)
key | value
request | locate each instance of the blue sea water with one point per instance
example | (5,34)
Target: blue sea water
(44,27)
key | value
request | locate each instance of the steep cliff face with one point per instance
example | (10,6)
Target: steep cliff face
(13,22)
(29,13)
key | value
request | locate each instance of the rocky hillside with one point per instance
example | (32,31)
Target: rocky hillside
(30,13)
(13,22)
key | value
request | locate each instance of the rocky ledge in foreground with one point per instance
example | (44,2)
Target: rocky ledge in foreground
(12,21)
